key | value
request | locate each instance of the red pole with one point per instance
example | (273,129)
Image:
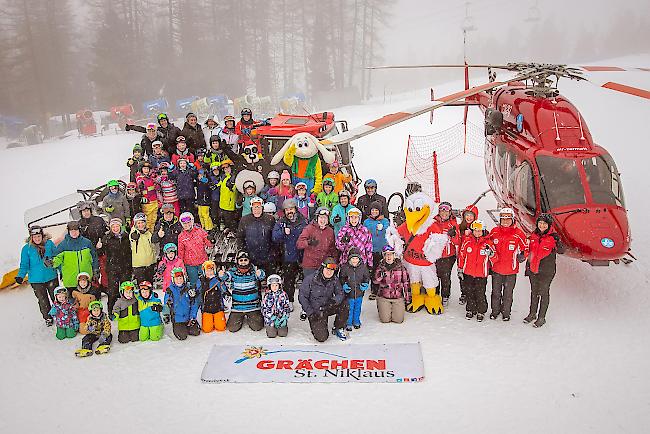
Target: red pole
(465,113)
(406,162)
(435,177)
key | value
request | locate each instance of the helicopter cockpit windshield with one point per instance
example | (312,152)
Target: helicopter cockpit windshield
(604,180)
(559,180)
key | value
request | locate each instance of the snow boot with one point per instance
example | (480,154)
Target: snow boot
(469,315)
(341,334)
(445,301)
(49,322)
(494,316)
(356,326)
(303,316)
(540,322)
(506,318)
(462,299)
(531,317)
(103,349)
(291,306)
(82,352)
(479,317)
(347,328)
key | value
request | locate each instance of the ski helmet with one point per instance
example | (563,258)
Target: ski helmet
(354,211)
(215,165)
(73,225)
(170,247)
(186,217)
(151,126)
(162,116)
(273,175)
(131,186)
(290,203)
(274,278)
(257,200)
(506,213)
(145,284)
(207,265)
(85,205)
(370,183)
(444,206)
(140,217)
(190,115)
(180,139)
(125,286)
(35,230)
(246,111)
(137,147)
(84,275)
(112,183)
(227,162)
(95,303)
(214,138)
(61,290)
(345,193)
(228,118)
(301,185)
(322,210)
(477,225)
(387,248)
(167,207)
(242,254)
(328,181)
(178,271)
(156,144)
(270,207)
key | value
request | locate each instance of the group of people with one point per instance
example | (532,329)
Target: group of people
(159,234)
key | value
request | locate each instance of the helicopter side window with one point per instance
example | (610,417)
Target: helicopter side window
(510,164)
(559,182)
(604,180)
(501,160)
(525,188)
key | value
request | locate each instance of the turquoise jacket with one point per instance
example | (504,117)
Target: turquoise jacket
(339,216)
(149,318)
(31,263)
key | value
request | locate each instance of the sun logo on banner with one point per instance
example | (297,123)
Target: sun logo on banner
(253,352)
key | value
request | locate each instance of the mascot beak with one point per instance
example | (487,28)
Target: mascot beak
(415,219)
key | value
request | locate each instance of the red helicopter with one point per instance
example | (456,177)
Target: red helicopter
(540,156)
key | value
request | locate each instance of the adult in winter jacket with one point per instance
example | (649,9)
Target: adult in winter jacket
(149,308)
(117,247)
(151,134)
(286,232)
(448,224)
(276,308)
(364,202)
(474,267)
(322,296)
(38,250)
(143,254)
(169,132)
(543,246)
(339,215)
(317,243)
(73,255)
(185,177)
(393,281)
(167,229)
(94,228)
(193,133)
(354,234)
(127,314)
(211,128)
(355,280)
(467,217)
(228,134)
(243,283)
(212,290)
(183,302)
(511,249)
(192,243)
(113,201)
(255,235)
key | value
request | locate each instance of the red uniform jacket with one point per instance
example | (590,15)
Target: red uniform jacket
(539,247)
(414,252)
(451,248)
(508,241)
(473,258)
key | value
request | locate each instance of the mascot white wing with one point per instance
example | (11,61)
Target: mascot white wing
(434,245)
(393,238)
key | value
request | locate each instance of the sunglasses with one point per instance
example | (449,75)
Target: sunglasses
(330,266)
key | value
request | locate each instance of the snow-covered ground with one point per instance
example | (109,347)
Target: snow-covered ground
(585,371)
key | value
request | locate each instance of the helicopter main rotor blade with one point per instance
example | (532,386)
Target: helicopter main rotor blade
(436,66)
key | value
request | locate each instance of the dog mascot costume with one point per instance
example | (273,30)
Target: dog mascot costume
(300,153)
(420,242)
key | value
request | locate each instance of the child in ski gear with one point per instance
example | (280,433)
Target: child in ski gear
(149,308)
(228,196)
(181,151)
(444,265)
(317,243)
(38,250)
(147,187)
(169,262)
(214,176)
(158,155)
(377,225)
(203,200)
(127,315)
(273,184)
(469,215)
(143,255)
(243,283)
(185,177)
(212,290)
(340,211)
(474,267)
(270,210)
(543,245)
(354,234)
(114,202)
(511,250)
(215,153)
(393,281)
(322,296)
(275,308)
(64,314)
(183,302)
(75,254)
(134,162)
(99,330)
(327,198)
(167,228)
(364,202)
(117,247)
(355,280)
(303,201)
(283,191)
(192,244)
(249,193)
(228,134)
(286,232)
(134,199)
(167,192)
(339,178)
(83,295)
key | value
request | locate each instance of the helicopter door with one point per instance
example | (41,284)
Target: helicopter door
(524,195)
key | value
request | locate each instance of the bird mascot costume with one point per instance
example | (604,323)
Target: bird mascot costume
(300,153)
(420,242)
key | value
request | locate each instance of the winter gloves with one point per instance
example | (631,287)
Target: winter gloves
(19,280)
(452,232)
(521,257)
(157,308)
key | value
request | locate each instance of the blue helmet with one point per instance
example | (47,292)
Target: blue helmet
(370,183)
(170,247)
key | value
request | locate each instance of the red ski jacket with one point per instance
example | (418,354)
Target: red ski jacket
(509,241)
(473,258)
(445,225)
(540,246)
(414,252)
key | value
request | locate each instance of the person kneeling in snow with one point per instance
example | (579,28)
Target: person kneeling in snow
(99,330)
(212,289)
(393,294)
(150,307)
(127,315)
(183,302)
(276,308)
(64,314)
(243,282)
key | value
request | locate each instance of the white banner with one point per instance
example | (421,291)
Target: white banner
(362,363)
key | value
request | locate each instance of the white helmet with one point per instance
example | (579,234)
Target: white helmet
(506,213)
(270,207)
(273,175)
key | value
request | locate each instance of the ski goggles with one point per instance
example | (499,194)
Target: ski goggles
(330,266)
(243,260)
(151,126)
(128,287)
(301,186)
(324,212)
(36,231)
(186,219)
(162,116)
(178,274)
(180,139)
(444,207)
(145,285)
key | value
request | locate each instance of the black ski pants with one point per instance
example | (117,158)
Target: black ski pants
(181,330)
(88,341)
(113,290)
(44,292)
(443,270)
(141,274)
(319,322)
(503,285)
(290,274)
(475,293)
(125,336)
(540,294)
(376,259)
(236,321)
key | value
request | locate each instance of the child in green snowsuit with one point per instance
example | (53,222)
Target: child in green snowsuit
(327,198)
(150,307)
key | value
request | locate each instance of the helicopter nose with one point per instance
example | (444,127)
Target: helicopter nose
(601,233)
